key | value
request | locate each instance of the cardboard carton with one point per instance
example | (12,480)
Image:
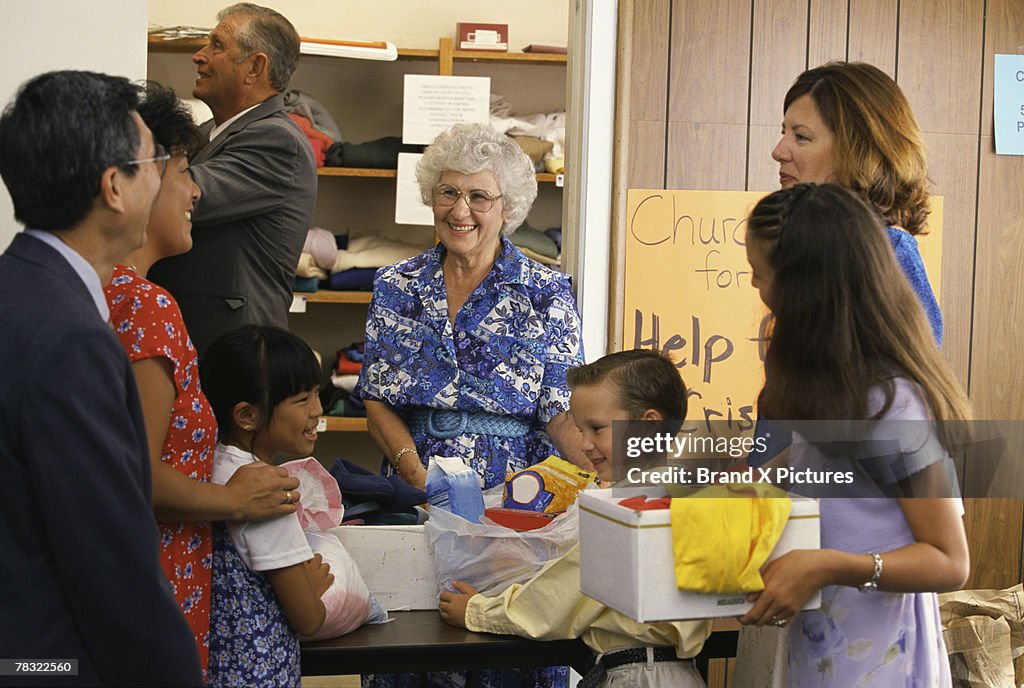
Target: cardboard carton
(397,564)
(626,559)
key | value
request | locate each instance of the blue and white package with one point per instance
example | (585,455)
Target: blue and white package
(453,486)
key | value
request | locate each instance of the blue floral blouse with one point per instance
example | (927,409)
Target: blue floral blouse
(506,354)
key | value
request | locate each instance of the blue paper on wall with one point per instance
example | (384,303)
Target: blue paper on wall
(1008,104)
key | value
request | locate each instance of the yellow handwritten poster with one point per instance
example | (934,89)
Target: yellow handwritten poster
(687,292)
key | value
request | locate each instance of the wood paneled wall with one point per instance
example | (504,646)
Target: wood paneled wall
(700,88)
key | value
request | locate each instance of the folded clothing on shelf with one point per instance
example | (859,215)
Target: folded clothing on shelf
(306,284)
(537,241)
(349,360)
(373,251)
(322,246)
(307,267)
(313,110)
(377,154)
(354,279)
(340,403)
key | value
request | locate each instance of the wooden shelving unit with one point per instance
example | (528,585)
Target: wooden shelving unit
(542,177)
(445,56)
(189,45)
(327,296)
(343,424)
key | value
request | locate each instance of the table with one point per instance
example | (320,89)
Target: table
(420,641)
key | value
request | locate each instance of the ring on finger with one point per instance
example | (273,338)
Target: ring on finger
(288,497)
(776,621)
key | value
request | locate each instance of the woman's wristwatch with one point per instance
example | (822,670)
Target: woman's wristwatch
(873,583)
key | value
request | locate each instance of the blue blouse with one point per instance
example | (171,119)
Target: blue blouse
(909,257)
(506,354)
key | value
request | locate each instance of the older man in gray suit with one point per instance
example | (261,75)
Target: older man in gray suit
(258,178)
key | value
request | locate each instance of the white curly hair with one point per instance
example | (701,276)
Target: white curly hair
(472,148)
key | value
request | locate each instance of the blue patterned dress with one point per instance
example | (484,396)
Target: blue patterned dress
(506,354)
(251,642)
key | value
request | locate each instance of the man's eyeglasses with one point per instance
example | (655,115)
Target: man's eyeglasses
(479,201)
(161,158)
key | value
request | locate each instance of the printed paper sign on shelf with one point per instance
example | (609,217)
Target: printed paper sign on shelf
(409,208)
(1008,104)
(687,292)
(434,103)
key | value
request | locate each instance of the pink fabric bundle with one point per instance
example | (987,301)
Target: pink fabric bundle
(347,601)
(322,246)
(320,507)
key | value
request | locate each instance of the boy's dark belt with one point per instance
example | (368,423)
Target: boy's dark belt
(617,658)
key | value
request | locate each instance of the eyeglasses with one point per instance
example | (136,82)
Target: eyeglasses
(161,158)
(477,200)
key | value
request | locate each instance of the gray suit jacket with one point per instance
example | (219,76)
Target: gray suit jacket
(258,180)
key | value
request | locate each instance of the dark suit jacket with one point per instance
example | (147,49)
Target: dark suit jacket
(80,576)
(258,180)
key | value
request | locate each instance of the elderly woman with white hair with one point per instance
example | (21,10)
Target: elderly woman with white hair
(467,344)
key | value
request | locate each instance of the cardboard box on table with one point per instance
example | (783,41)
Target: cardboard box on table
(397,564)
(626,559)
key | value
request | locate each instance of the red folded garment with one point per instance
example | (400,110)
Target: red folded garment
(318,140)
(642,503)
(347,367)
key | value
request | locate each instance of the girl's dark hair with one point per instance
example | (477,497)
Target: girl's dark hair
(169,119)
(845,317)
(256,364)
(645,379)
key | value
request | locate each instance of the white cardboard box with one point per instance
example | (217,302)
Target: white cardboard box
(626,559)
(397,564)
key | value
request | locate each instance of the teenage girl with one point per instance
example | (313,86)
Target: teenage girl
(851,342)
(262,383)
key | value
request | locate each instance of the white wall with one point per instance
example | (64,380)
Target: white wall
(43,35)
(590,146)
(406,23)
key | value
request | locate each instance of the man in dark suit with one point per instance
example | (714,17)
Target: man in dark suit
(258,178)
(81,577)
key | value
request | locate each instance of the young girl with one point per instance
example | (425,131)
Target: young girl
(628,385)
(851,342)
(262,383)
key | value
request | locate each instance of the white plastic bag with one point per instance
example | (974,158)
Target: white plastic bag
(348,602)
(491,557)
(348,599)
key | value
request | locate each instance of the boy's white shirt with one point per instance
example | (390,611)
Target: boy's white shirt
(267,545)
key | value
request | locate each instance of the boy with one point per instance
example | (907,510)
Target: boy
(628,385)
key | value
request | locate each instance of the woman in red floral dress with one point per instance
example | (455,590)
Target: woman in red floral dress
(179,422)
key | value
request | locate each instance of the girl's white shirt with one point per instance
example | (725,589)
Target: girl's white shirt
(267,545)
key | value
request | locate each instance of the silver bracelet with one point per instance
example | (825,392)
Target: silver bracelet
(873,583)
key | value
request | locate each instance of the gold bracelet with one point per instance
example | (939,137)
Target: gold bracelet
(400,453)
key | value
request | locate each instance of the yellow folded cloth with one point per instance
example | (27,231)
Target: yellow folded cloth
(723,534)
